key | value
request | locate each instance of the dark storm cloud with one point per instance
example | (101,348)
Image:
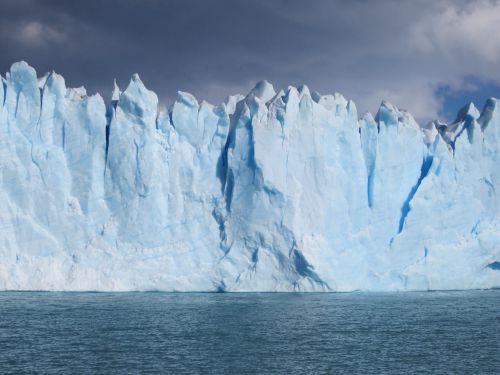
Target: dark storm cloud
(367,50)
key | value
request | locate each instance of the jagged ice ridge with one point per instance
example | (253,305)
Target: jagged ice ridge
(285,191)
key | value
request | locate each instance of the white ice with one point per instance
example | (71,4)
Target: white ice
(286,191)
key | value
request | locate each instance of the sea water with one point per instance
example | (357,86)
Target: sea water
(296,333)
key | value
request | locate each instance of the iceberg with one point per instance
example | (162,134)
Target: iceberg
(272,191)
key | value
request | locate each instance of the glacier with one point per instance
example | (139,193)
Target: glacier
(272,191)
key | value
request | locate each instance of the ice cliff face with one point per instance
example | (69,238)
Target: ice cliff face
(269,192)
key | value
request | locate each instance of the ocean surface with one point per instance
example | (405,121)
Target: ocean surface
(169,333)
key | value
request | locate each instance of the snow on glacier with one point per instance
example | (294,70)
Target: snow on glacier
(272,191)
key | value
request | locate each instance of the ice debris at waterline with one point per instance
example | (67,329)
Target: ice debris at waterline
(283,191)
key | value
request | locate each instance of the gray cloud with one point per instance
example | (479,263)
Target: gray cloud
(367,50)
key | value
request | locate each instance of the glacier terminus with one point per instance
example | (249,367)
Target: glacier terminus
(272,191)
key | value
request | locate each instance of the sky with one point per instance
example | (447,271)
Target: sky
(430,57)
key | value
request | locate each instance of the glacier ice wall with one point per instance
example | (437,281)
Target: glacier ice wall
(285,191)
